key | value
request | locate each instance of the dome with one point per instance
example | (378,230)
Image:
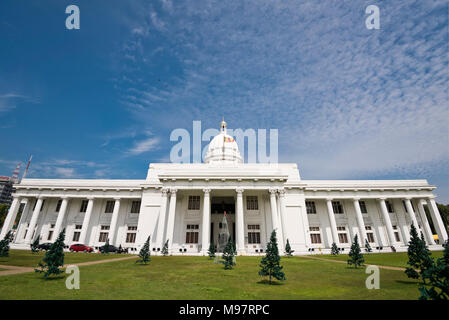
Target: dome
(223,148)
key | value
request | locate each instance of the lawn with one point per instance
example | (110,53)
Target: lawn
(183,277)
(25,258)
(398,259)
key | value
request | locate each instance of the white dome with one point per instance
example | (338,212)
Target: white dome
(223,148)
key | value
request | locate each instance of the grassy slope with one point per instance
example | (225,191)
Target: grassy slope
(25,258)
(199,278)
(398,259)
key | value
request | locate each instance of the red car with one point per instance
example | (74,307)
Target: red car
(80,247)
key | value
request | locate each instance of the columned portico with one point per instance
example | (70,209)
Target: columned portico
(171,218)
(388,225)
(206,222)
(240,224)
(11,217)
(425,221)
(34,217)
(436,219)
(360,222)
(161,218)
(86,221)
(60,219)
(114,219)
(332,221)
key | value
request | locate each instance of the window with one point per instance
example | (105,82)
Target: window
(76,236)
(310,207)
(389,205)
(363,207)
(396,233)
(192,233)
(342,235)
(104,227)
(337,207)
(135,207)
(253,234)
(78,226)
(252,203)
(58,205)
(315,235)
(369,234)
(194,203)
(103,237)
(131,235)
(84,204)
(109,206)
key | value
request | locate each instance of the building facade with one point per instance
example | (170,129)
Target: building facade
(184,205)
(6,189)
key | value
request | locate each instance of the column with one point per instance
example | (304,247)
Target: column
(360,222)
(205,232)
(282,237)
(427,231)
(240,223)
(386,216)
(161,219)
(33,221)
(18,237)
(411,212)
(436,219)
(86,220)
(60,219)
(171,218)
(330,212)
(114,219)
(11,217)
(274,215)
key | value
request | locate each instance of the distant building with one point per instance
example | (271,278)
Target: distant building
(6,189)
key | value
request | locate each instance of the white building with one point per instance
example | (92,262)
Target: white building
(184,204)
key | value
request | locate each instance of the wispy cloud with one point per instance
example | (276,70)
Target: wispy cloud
(142,146)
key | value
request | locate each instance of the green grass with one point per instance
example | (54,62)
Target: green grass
(25,258)
(397,259)
(199,278)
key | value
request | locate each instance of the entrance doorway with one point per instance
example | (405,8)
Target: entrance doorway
(220,205)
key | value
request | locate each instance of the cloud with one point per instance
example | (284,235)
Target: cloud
(144,146)
(65,172)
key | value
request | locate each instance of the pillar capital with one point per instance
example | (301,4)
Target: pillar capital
(206,191)
(272,191)
(356,199)
(329,199)
(281,192)
(115,198)
(164,191)
(173,191)
(239,191)
(432,197)
(40,197)
(381,199)
(66,198)
(93,198)
(408,198)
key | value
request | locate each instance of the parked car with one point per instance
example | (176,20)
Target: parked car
(80,247)
(114,249)
(44,246)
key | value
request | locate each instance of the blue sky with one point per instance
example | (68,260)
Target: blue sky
(349,103)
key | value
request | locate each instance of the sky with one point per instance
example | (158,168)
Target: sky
(348,102)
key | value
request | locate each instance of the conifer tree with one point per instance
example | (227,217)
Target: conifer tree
(144,253)
(418,255)
(54,258)
(211,252)
(270,263)
(436,277)
(228,258)
(355,255)
(165,249)
(35,245)
(288,249)
(367,246)
(4,245)
(334,249)
(106,247)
